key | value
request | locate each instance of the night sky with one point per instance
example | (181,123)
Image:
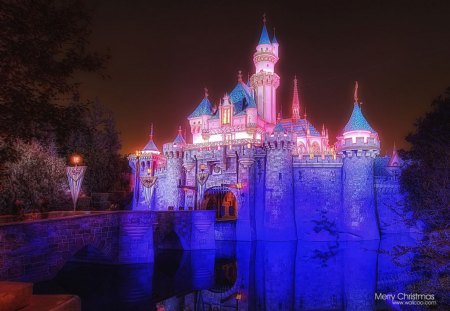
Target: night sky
(163,53)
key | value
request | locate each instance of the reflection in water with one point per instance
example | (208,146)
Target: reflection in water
(244,276)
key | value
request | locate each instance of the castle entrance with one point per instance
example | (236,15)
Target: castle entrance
(222,200)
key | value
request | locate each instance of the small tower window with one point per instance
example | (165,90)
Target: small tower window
(226,116)
(279,176)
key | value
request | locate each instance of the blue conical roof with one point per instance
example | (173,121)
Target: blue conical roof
(204,108)
(264,39)
(274,39)
(241,97)
(357,121)
(151,146)
(179,140)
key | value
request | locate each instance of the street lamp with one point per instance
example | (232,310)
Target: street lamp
(75,175)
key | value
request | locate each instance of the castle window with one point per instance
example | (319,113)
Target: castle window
(279,176)
(226,116)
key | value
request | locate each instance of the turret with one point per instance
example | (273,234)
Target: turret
(199,118)
(265,81)
(358,145)
(175,173)
(279,220)
(143,163)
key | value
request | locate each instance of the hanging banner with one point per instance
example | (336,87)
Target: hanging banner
(148,183)
(75,175)
(202,177)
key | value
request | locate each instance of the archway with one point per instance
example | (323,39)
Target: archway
(223,201)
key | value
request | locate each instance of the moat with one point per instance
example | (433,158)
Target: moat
(241,276)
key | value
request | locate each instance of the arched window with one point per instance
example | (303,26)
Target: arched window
(301,148)
(315,147)
(226,115)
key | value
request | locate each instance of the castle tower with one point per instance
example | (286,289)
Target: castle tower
(279,220)
(295,103)
(175,173)
(358,145)
(265,81)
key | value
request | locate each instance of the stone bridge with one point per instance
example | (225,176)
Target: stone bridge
(36,250)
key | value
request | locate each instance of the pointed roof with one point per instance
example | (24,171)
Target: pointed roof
(274,39)
(264,38)
(179,140)
(357,121)
(395,159)
(295,102)
(204,108)
(151,145)
(241,97)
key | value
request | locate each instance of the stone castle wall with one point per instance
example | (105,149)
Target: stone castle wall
(359,219)
(390,204)
(318,199)
(286,197)
(279,220)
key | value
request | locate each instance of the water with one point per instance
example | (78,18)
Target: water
(244,276)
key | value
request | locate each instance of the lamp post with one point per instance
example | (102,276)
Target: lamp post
(75,175)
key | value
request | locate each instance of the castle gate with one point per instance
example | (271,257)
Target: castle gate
(222,200)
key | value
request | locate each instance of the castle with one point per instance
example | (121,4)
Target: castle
(268,177)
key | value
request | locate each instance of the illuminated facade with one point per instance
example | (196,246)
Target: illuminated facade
(268,177)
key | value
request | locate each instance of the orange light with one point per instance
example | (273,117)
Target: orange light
(75,159)
(149,171)
(238,296)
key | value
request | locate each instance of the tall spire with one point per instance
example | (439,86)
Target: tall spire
(264,38)
(295,102)
(206,92)
(355,96)
(274,39)
(151,131)
(239,76)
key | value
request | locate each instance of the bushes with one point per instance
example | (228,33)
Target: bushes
(34,179)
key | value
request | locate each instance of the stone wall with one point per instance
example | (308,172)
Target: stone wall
(318,198)
(174,196)
(279,220)
(37,250)
(225,230)
(390,206)
(359,220)
(187,230)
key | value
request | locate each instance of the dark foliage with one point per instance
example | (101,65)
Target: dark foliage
(95,137)
(43,43)
(426,179)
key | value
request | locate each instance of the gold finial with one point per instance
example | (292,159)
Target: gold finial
(264,18)
(355,95)
(206,92)
(151,131)
(239,76)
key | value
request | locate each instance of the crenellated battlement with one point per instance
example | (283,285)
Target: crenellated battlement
(359,153)
(279,141)
(319,161)
(172,150)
